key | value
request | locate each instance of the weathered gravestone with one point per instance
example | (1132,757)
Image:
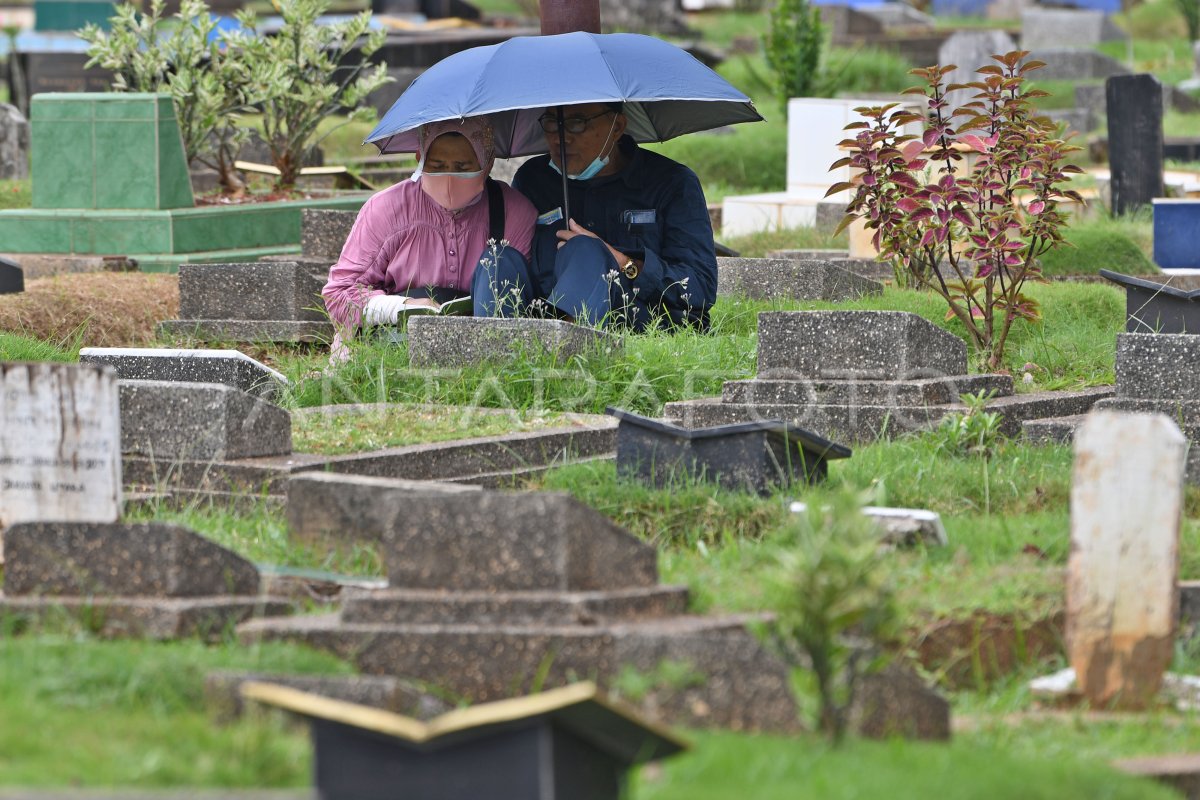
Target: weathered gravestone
(227,367)
(767,278)
(1122,600)
(435,341)
(12,277)
(968,51)
(1066,27)
(1135,134)
(60,453)
(14,144)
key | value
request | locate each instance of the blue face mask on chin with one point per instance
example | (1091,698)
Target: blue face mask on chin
(598,163)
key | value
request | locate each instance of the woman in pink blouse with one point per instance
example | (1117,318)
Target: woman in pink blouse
(426,236)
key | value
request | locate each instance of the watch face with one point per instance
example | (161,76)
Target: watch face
(630,269)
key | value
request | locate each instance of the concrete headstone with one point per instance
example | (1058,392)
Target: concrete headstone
(970,50)
(227,367)
(1122,600)
(856,345)
(1158,366)
(60,454)
(462,341)
(1135,134)
(766,278)
(1066,27)
(14,144)
(12,277)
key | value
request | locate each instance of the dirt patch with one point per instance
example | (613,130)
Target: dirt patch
(973,652)
(104,309)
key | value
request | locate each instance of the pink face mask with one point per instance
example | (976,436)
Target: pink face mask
(453,190)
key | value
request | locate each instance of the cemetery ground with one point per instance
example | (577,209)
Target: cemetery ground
(132,713)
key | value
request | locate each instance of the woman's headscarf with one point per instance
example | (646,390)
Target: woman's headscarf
(477,130)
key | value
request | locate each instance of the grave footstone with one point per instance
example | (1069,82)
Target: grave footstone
(970,50)
(896,702)
(435,341)
(768,278)
(1122,600)
(12,277)
(323,232)
(14,144)
(1135,133)
(227,367)
(59,443)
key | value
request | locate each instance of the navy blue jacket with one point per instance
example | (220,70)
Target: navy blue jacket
(652,209)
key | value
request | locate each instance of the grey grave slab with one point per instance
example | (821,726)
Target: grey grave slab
(900,526)
(14,144)
(748,456)
(253,291)
(323,233)
(325,506)
(435,341)
(860,345)
(1180,771)
(513,542)
(149,559)
(1054,28)
(12,277)
(932,391)
(169,421)
(896,702)
(1135,130)
(1052,430)
(1077,64)
(228,367)
(850,423)
(1152,307)
(60,443)
(769,278)
(425,607)
(223,698)
(1158,366)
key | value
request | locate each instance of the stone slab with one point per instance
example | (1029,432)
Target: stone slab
(737,685)
(227,367)
(860,345)
(900,526)
(928,392)
(1077,64)
(896,702)
(435,341)
(14,143)
(513,542)
(209,618)
(12,277)
(770,278)
(223,698)
(327,506)
(1179,771)
(59,443)
(1052,28)
(254,291)
(1135,129)
(842,423)
(416,607)
(1052,430)
(147,559)
(1122,600)
(1015,410)
(232,330)
(1158,366)
(323,233)
(200,421)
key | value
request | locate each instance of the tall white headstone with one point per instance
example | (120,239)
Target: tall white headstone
(60,443)
(1122,598)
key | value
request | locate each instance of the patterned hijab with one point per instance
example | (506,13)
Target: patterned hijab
(477,130)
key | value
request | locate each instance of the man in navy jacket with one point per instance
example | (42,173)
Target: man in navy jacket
(639,251)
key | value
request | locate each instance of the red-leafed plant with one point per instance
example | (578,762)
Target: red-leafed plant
(971,235)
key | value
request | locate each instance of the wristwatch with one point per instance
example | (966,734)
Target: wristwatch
(630,269)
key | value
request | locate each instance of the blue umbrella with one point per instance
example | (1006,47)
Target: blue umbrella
(666,91)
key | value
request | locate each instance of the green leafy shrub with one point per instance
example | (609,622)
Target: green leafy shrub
(793,48)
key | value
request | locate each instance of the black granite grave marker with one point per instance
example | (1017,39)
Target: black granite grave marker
(757,456)
(1135,140)
(12,277)
(1156,308)
(565,744)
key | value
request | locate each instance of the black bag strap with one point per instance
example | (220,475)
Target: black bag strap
(495,210)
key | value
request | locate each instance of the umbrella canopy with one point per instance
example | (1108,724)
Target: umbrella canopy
(666,91)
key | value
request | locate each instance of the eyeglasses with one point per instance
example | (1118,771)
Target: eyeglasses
(576,125)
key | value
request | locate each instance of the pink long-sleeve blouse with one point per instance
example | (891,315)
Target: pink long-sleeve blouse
(404,241)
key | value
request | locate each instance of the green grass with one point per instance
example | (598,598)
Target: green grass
(87,713)
(757,245)
(16,194)
(725,765)
(374,429)
(14,347)
(743,159)
(1121,245)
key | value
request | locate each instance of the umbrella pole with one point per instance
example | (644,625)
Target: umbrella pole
(562,163)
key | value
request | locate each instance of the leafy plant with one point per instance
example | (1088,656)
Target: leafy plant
(975,432)
(964,232)
(205,73)
(1190,11)
(793,48)
(833,601)
(303,75)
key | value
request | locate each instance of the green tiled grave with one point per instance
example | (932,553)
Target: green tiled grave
(109,178)
(71,15)
(101,150)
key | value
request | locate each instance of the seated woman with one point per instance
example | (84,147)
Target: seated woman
(423,238)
